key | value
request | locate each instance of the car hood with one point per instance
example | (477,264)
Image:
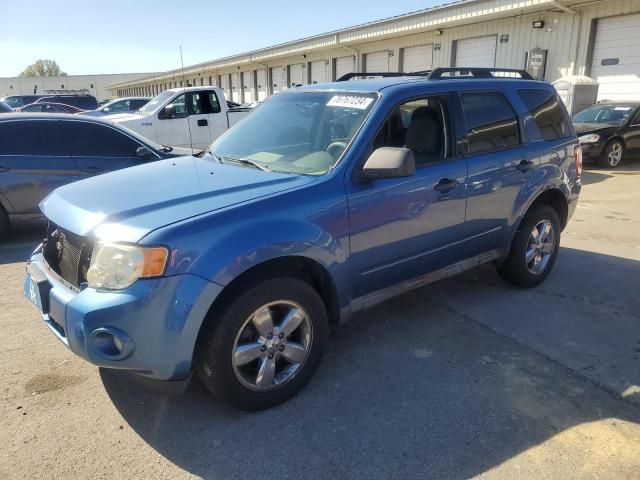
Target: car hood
(582,128)
(125,117)
(127,204)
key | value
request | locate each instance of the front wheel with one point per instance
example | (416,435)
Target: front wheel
(265,345)
(612,154)
(534,249)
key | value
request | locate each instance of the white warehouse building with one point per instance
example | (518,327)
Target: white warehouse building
(550,38)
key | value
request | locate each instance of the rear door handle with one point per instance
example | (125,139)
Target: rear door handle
(203,122)
(446,184)
(524,165)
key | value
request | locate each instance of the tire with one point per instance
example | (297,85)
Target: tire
(521,268)
(612,154)
(4,223)
(239,331)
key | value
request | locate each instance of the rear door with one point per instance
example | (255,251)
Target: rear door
(494,150)
(33,162)
(97,148)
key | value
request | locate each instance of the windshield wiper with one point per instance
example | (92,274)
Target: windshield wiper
(247,162)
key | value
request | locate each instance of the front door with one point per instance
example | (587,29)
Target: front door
(173,130)
(405,227)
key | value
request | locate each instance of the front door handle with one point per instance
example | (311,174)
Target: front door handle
(524,165)
(446,184)
(203,122)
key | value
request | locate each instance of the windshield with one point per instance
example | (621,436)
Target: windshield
(156,101)
(13,101)
(611,114)
(304,132)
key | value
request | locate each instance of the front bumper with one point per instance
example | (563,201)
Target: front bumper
(149,328)
(591,152)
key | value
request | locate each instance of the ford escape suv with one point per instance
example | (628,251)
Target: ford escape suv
(326,200)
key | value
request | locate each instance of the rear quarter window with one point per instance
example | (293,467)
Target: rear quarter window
(547,113)
(491,123)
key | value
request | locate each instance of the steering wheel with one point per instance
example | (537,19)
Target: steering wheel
(335,149)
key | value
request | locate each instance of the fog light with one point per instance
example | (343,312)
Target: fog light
(111,343)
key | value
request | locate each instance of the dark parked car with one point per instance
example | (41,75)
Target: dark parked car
(85,102)
(609,132)
(46,107)
(40,152)
(4,108)
(16,101)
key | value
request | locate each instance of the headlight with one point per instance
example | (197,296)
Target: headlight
(590,138)
(116,266)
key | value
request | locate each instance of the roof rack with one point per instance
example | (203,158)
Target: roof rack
(349,76)
(474,72)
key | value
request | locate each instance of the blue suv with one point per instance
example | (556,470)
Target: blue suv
(326,200)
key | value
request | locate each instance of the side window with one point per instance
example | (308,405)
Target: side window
(122,106)
(419,125)
(491,122)
(33,108)
(546,111)
(40,137)
(180,103)
(203,103)
(90,139)
(137,104)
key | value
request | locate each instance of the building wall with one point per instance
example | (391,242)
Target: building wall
(566,37)
(97,85)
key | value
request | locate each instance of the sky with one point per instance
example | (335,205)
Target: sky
(117,36)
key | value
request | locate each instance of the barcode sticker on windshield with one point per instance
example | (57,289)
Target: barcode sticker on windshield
(350,101)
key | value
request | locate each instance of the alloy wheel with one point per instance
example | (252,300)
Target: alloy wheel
(541,247)
(272,345)
(614,154)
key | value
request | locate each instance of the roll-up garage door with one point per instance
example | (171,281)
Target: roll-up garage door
(319,72)
(262,85)
(344,65)
(616,58)
(248,87)
(277,79)
(224,84)
(235,87)
(415,59)
(377,62)
(476,52)
(296,74)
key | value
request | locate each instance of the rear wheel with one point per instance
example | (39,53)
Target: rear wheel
(265,345)
(534,249)
(612,154)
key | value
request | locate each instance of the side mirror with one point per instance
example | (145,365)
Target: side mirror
(169,111)
(390,162)
(106,110)
(144,153)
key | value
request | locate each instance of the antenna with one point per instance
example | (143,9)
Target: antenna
(186,105)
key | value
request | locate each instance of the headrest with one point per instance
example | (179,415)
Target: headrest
(424,133)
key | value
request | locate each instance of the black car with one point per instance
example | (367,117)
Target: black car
(83,102)
(609,132)
(40,152)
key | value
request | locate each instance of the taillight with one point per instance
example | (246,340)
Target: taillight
(577,157)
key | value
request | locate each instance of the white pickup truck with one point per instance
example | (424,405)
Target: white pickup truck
(191,117)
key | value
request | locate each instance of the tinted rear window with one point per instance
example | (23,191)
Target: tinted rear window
(491,122)
(546,111)
(95,140)
(38,137)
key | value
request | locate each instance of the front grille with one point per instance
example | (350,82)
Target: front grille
(67,254)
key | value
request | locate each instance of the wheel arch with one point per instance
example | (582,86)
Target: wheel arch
(297,266)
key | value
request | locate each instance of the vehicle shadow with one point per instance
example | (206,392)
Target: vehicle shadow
(410,389)
(20,242)
(590,177)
